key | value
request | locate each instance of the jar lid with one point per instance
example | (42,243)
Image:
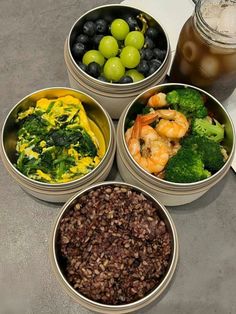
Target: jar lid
(217,20)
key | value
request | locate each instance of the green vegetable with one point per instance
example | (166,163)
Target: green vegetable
(188,101)
(79,137)
(32,125)
(186,166)
(208,150)
(209,128)
(53,145)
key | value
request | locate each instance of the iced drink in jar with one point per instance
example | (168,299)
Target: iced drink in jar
(206,49)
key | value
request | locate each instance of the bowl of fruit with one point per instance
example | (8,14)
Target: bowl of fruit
(176,140)
(114,52)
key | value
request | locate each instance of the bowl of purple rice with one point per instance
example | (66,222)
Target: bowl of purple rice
(114,248)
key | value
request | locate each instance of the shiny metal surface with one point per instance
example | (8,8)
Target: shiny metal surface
(109,13)
(170,193)
(103,308)
(9,137)
(212,104)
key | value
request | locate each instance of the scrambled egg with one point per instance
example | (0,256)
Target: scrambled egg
(42,146)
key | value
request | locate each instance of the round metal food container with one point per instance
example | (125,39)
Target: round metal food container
(58,192)
(170,193)
(113,97)
(58,262)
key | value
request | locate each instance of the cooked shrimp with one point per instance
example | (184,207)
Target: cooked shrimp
(153,154)
(172,124)
(157,100)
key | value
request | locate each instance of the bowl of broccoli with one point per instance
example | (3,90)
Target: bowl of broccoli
(177,140)
(56,141)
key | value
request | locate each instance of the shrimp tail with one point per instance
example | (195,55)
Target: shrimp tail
(149,118)
(137,128)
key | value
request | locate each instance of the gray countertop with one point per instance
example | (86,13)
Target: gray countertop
(31,57)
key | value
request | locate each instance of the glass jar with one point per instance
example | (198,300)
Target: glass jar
(206,50)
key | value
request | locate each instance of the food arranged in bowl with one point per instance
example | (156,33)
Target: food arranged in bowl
(114,52)
(176,140)
(115,245)
(56,142)
(123,49)
(176,137)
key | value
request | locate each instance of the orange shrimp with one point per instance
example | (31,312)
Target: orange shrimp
(172,124)
(157,100)
(153,154)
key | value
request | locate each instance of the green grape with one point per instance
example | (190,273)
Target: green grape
(119,29)
(135,75)
(113,69)
(130,57)
(135,39)
(108,47)
(93,56)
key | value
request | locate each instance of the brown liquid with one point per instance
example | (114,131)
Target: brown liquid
(203,64)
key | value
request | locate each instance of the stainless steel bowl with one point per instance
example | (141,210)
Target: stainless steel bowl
(171,193)
(57,264)
(57,192)
(114,97)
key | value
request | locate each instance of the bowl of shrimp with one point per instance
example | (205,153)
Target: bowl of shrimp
(176,140)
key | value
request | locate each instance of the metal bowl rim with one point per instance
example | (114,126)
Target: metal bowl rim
(175,247)
(63,184)
(108,84)
(176,184)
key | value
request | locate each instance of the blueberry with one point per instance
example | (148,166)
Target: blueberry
(125,80)
(148,54)
(154,65)
(82,38)
(143,67)
(96,40)
(159,53)
(142,53)
(89,28)
(101,26)
(152,32)
(94,69)
(133,24)
(102,79)
(149,43)
(83,66)
(78,50)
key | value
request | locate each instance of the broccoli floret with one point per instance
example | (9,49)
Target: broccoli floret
(208,150)
(188,101)
(185,167)
(209,128)
(172,97)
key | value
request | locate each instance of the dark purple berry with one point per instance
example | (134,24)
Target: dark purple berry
(125,80)
(83,66)
(149,43)
(89,28)
(152,32)
(101,26)
(159,53)
(154,65)
(82,38)
(148,54)
(143,67)
(102,79)
(94,69)
(78,50)
(132,22)
(96,40)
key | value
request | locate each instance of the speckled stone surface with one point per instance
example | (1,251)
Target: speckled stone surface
(31,57)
